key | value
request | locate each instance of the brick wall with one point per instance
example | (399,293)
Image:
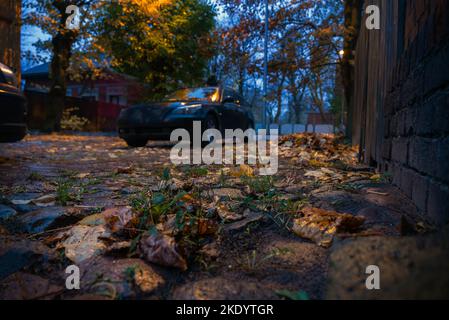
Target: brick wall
(402,100)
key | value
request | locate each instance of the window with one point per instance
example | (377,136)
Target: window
(89,98)
(114,99)
(194,94)
(232,95)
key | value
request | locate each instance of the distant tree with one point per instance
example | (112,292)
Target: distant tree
(239,42)
(304,42)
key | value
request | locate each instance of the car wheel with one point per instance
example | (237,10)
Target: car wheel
(136,142)
(210,123)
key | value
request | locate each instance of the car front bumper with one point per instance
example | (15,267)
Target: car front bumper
(158,130)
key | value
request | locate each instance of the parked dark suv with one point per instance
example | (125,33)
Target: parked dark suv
(12,107)
(216,108)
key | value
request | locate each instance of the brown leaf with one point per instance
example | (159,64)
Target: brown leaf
(45,201)
(199,227)
(162,249)
(118,218)
(210,250)
(320,225)
(124,170)
(250,217)
(226,215)
(243,170)
(83,242)
(206,227)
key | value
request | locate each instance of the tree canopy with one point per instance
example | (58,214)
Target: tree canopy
(304,41)
(165,48)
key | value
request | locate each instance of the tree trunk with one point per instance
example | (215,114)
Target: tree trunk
(62,52)
(279,99)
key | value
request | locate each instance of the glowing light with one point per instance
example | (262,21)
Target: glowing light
(215,96)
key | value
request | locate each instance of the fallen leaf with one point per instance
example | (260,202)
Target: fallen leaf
(225,194)
(118,218)
(327,171)
(240,225)
(147,280)
(118,248)
(162,249)
(83,242)
(315,174)
(124,170)
(187,198)
(93,220)
(210,250)
(243,171)
(206,227)
(377,193)
(321,226)
(116,277)
(20,202)
(45,201)
(226,215)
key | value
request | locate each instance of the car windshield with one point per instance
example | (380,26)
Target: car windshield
(195,94)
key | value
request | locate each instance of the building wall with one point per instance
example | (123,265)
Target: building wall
(10,11)
(124,90)
(401,102)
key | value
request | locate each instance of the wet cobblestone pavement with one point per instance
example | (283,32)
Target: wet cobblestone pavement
(139,227)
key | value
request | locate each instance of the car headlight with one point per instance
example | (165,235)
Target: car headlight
(189,109)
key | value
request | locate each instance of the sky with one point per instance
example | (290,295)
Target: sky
(29,36)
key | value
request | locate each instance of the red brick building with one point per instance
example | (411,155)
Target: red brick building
(113,87)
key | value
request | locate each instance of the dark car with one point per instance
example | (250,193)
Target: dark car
(12,108)
(216,108)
